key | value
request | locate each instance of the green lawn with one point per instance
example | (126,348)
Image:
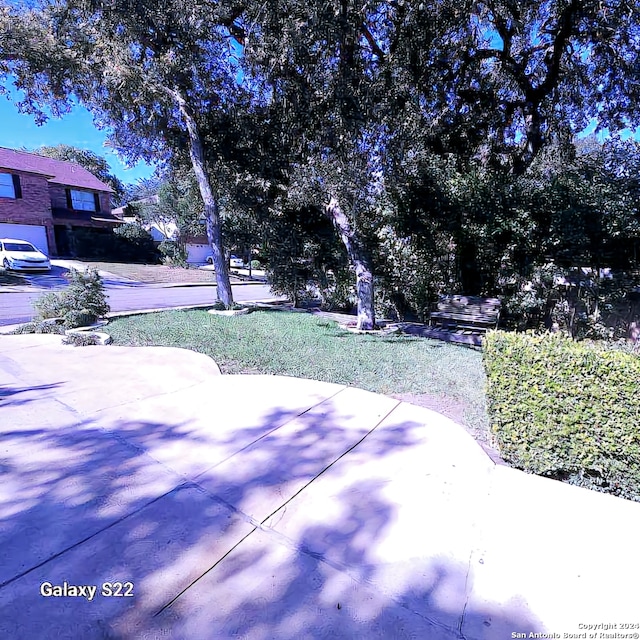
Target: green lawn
(303,345)
(154,273)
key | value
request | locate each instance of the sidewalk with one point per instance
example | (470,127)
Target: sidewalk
(272,507)
(81,266)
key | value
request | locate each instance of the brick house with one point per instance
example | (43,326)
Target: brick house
(44,200)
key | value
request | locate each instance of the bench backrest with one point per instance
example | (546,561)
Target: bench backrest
(470,305)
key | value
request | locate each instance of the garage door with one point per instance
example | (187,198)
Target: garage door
(35,234)
(197,253)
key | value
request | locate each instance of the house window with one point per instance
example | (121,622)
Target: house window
(82,200)
(10,186)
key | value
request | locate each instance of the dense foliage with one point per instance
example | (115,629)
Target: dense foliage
(567,410)
(128,243)
(438,139)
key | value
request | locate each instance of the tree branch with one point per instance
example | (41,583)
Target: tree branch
(375,48)
(562,35)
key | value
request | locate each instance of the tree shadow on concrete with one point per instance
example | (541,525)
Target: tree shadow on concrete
(205,540)
(11,391)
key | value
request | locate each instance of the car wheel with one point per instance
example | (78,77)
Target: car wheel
(209,260)
(5,264)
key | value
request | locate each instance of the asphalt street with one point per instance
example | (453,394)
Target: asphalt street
(17,307)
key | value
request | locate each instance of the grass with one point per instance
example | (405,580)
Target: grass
(154,273)
(303,345)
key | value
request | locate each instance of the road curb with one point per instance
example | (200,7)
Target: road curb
(8,328)
(153,285)
(175,285)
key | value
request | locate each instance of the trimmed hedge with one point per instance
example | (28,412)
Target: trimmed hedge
(567,410)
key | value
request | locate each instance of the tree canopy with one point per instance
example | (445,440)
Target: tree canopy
(504,78)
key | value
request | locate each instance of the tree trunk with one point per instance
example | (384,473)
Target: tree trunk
(358,258)
(211,211)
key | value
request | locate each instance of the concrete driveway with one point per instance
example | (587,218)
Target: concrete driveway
(36,281)
(272,507)
(20,281)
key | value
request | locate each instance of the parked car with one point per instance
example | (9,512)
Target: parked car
(19,255)
(234,261)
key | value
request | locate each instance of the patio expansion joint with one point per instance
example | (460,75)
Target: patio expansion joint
(281,539)
(268,433)
(183,483)
(180,486)
(466,599)
(479,548)
(152,396)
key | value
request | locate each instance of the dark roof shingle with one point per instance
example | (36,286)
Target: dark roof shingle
(58,171)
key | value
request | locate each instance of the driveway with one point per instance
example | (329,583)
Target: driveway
(273,507)
(20,281)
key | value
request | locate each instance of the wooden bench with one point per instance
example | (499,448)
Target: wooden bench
(466,312)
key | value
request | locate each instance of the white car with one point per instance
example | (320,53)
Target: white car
(234,261)
(19,255)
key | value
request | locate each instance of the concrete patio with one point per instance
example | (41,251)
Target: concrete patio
(271,507)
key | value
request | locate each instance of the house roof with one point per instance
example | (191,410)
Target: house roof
(57,171)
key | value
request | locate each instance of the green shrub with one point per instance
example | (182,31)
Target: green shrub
(39,327)
(255,264)
(336,290)
(565,409)
(50,305)
(81,339)
(173,253)
(135,244)
(128,243)
(82,318)
(80,304)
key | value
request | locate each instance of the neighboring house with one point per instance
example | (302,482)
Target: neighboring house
(197,247)
(43,200)
(159,231)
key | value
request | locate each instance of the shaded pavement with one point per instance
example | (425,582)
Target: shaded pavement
(274,507)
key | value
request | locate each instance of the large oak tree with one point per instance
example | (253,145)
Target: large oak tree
(148,71)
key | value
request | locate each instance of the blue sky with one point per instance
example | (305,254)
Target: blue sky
(18,130)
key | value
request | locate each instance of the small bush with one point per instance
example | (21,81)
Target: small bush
(136,244)
(39,327)
(74,319)
(51,305)
(81,339)
(255,264)
(565,409)
(173,253)
(337,290)
(80,304)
